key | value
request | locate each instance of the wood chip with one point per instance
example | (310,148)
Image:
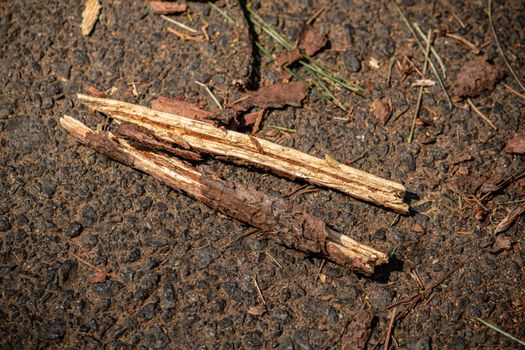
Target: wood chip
(502,243)
(516,144)
(477,76)
(509,219)
(358,331)
(273,96)
(99,277)
(167,7)
(381,111)
(90,16)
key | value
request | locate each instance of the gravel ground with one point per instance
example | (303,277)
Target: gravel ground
(171,283)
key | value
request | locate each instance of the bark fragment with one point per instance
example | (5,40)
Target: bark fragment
(516,144)
(90,16)
(273,96)
(281,219)
(167,7)
(312,40)
(240,148)
(358,331)
(476,76)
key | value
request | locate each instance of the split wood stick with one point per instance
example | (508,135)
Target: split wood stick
(255,151)
(281,219)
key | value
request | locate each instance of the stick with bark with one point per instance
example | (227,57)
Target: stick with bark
(281,219)
(205,138)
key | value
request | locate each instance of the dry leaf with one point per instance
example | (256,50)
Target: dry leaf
(509,219)
(476,76)
(90,16)
(273,96)
(502,243)
(381,111)
(167,7)
(516,144)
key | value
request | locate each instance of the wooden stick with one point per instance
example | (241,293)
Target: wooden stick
(248,149)
(286,222)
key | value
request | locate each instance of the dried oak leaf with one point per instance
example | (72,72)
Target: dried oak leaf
(167,7)
(358,331)
(273,96)
(476,76)
(516,144)
(90,16)
(381,111)
(312,40)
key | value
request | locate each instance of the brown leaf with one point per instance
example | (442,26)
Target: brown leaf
(167,7)
(358,331)
(312,40)
(273,96)
(516,144)
(90,16)
(287,58)
(502,243)
(257,310)
(476,76)
(381,111)
(99,277)
(509,219)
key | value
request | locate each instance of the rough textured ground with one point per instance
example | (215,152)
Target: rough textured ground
(171,287)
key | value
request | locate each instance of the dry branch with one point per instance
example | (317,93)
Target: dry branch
(264,154)
(283,220)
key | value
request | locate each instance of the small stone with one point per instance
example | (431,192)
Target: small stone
(352,61)
(53,329)
(74,230)
(381,297)
(148,311)
(205,256)
(156,338)
(422,343)
(49,189)
(408,159)
(4,225)
(89,216)
(63,69)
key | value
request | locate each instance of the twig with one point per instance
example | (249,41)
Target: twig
(432,50)
(286,222)
(181,25)
(495,35)
(464,41)
(514,91)
(185,36)
(389,330)
(483,116)
(501,331)
(420,44)
(258,288)
(212,95)
(315,16)
(421,88)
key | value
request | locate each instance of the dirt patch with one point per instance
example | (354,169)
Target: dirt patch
(186,273)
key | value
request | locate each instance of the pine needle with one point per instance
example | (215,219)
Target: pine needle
(501,331)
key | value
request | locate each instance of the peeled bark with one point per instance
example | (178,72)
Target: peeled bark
(279,218)
(247,149)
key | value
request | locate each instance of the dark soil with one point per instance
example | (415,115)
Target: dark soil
(174,284)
